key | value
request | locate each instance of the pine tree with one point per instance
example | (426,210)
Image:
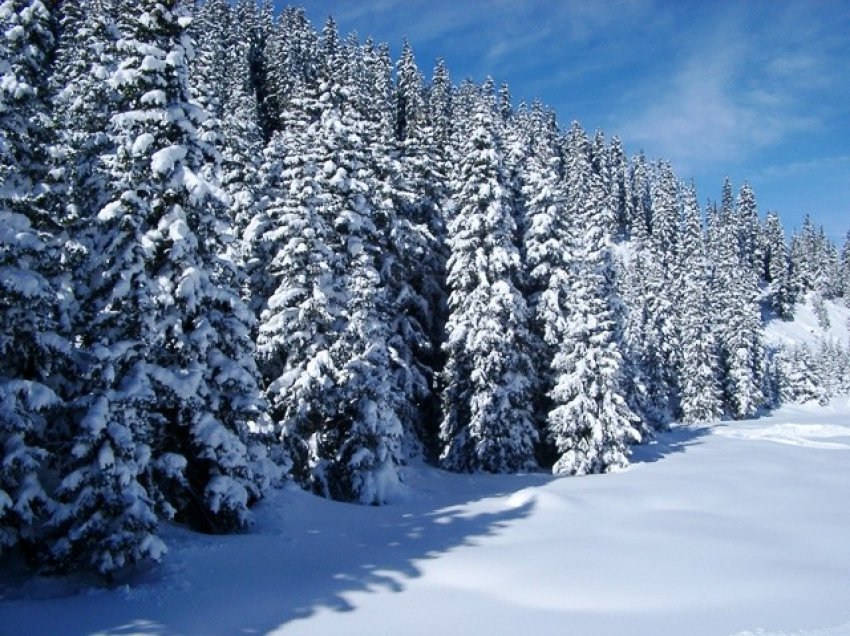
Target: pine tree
(28,47)
(591,425)
(35,356)
(776,272)
(440,106)
(263,61)
(666,230)
(547,247)
(829,368)
(326,340)
(209,65)
(417,245)
(242,135)
(297,279)
(747,227)
(797,379)
(739,327)
(304,299)
(377,383)
(828,277)
(640,201)
(660,349)
(803,263)
(488,378)
(170,333)
(727,202)
(621,198)
(81,103)
(632,287)
(845,270)
(701,395)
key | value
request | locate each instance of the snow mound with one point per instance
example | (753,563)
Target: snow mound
(809,435)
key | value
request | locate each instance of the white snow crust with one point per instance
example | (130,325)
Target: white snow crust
(739,528)
(805,329)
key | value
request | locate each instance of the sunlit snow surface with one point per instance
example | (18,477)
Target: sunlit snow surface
(740,528)
(805,329)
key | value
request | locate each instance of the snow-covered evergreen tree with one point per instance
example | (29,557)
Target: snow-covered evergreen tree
(631,286)
(171,336)
(845,270)
(365,439)
(304,301)
(81,102)
(418,243)
(797,377)
(547,257)
(326,340)
(440,107)
(739,326)
(621,197)
(747,225)
(590,423)
(665,274)
(701,395)
(803,255)
(776,271)
(640,207)
(35,357)
(489,375)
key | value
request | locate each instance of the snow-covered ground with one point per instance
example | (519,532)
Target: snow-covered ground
(740,528)
(805,329)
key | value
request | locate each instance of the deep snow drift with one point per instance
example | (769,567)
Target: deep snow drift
(735,528)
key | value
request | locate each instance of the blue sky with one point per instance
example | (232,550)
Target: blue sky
(753,90)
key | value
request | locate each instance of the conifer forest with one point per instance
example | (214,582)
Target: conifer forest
(238,250)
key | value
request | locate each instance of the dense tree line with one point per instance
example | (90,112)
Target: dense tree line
(236,250)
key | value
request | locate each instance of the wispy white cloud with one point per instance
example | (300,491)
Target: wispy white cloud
(740,87)
(802,168)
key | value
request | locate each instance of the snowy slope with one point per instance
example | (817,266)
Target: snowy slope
(738,528)
(805,328)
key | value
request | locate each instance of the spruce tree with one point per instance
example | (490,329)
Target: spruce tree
(803,260)
(798,380)
(326,339)
(660,348)
(440,106)
(547,251)
(488,378)
(35,356)
(590,424)
(640,201)
(418,244)
(739,326)
(81,102)
(171,336)
(845,270)
(632,288)
(376,383)
(621,198)
(776,270)
(701,395)
(747,227)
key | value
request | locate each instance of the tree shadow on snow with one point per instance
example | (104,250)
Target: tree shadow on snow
(306,555)
(676,440)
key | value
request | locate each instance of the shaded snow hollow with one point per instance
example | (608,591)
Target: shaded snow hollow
(739,528)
